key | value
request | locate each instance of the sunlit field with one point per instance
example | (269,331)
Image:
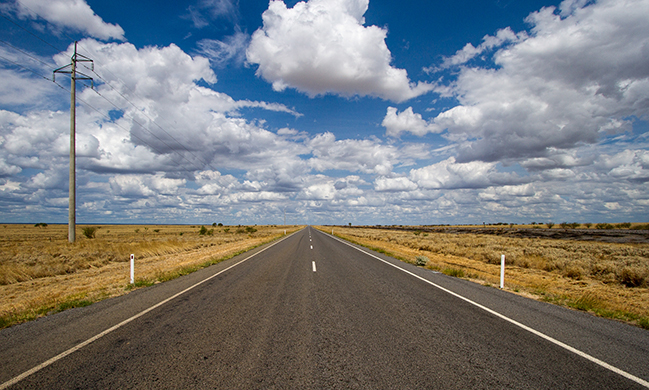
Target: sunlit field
(40,272)
(609,279)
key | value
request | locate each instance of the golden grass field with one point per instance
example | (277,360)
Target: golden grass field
(606,279)
(41,273)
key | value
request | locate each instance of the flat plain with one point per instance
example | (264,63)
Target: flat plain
(41,272)
(605,273)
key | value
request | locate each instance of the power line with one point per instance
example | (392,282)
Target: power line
(26,68)
(25,53)
(31,33)
(150,119)
(205,162)
(176,141)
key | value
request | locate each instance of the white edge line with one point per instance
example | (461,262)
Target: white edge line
(77,347)
(501,316)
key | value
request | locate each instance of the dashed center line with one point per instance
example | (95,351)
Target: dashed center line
(313,263)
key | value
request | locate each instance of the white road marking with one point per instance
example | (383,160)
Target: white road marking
(77,347)
(514,322)
(313,263)
(311,246)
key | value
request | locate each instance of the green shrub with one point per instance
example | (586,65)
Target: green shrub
(250,229)
(421,260)
(458,273)
(89,231)
(604,226)
(202,231)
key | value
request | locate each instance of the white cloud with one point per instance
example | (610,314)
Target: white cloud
(396,123)
(449,174)
(394,184)
(468,52)
(322,46)
(367,156)
(231,49)
(206,10)
(576,77)
(72,14)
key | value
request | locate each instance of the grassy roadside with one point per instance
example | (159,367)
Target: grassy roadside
(586,276)
(42,274)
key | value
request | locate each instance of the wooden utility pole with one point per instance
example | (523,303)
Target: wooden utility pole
(74,75)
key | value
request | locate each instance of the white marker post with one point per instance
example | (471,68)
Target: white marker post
(132,269)
(502,271)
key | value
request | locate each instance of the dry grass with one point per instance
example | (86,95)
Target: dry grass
(40,272)
(607,279)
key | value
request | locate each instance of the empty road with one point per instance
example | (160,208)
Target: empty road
(313,312)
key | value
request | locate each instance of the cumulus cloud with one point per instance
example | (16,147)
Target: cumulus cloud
(322,46)
(449,174)
(72,14)
(578,75)
(396,123)
(468,52)
(367,156)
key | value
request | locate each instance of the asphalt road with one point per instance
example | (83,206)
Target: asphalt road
(313,312)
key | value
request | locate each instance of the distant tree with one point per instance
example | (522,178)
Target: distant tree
(214,224)
(549,225)
(220,224)
(350,224)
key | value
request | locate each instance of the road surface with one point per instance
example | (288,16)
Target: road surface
(312,312)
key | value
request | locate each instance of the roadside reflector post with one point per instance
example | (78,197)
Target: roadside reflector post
(502,271)
(132,269)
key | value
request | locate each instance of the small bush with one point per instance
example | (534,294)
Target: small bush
(40,224)
(202,231)
(240,231)
(604,226)
(226,230)
(421,260)
(89,231)
(623,225)
(549,225)
(455,272)
(250,229)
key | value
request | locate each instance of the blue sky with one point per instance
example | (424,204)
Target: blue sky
(369,112)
